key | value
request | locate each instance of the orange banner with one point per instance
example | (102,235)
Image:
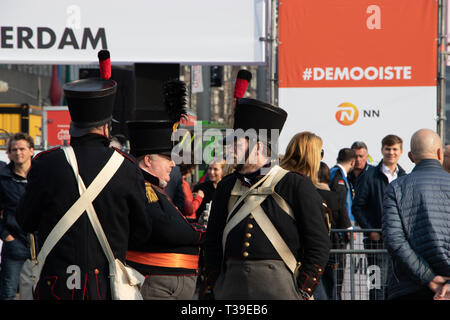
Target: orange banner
(357,43)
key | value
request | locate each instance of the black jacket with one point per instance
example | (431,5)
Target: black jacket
(337,185)
(354,181)
(307,237)
(171,232)
(12,187)
(340,218)
(209,191)
(120,206)
(174,188)
(368,203)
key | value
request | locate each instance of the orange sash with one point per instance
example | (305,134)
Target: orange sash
(169,260)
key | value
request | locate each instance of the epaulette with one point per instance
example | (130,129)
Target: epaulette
(125,155)
(150,193)
(45,152)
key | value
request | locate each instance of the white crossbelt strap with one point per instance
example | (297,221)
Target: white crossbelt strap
(248,206)
(70,155)
(252,202)
(253,187)
(252,205)
(77,209)
(241,191)
(274,237)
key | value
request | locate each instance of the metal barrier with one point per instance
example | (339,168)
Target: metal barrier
(357,268)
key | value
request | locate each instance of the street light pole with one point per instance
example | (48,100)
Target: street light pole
(442,64)
(39,91)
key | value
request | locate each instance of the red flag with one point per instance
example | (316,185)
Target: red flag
(55,88)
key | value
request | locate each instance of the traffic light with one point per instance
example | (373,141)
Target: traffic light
(216,76)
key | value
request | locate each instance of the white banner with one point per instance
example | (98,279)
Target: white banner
(155,31)
(341,116)
(196,79)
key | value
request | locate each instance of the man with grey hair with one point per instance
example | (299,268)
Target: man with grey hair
(170,259)
(416,216)
(361,164)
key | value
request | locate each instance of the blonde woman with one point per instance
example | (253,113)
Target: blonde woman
(303,155)
(207,190)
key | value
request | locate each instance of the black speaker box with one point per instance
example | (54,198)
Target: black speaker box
(150,78)
(139,91)
(124,102)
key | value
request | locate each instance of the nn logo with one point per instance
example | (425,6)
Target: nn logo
(348,113)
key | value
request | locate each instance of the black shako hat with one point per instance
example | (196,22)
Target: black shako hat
(150,137)
(255,114)
(90,101)
(154,136)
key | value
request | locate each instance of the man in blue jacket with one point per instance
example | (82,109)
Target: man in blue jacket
(368,204)
(16,247)
(339,178)
(416,219)
(361,164)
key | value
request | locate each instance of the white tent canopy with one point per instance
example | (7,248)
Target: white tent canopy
(153,31)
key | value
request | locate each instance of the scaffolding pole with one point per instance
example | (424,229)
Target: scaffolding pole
(273,51)
(442,64)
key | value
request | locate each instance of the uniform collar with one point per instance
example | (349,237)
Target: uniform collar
(91,139)
(152,179)
(251,178)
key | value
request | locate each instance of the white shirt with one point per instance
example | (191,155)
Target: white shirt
(391,176)
(343,169)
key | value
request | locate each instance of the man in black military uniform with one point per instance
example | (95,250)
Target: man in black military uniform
(170,258)
(77,268)
(253,264)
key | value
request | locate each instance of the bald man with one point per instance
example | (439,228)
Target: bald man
(416,216)
(446,164)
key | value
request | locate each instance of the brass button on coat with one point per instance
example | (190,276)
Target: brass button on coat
(245,254)
(250,226)
(248,235)
(246,244)
(96,272)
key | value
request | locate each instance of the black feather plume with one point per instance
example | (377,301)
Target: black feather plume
(174,97)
